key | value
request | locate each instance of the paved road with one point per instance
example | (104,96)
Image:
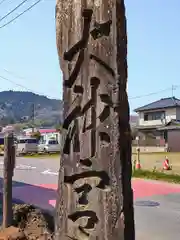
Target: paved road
(159,218)
(35,170)
(157,205)
(35,180)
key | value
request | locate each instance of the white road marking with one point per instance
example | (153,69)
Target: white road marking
(25,167)
(48,172)
(21,166)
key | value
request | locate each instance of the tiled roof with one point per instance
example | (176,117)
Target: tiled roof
(47,130)
(160,104)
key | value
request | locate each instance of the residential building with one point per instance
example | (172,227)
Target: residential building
(171,132)
(154,116)
(8,128)
(158,113)
(47,134)
(28,131)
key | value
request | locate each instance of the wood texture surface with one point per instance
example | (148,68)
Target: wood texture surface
(94,196)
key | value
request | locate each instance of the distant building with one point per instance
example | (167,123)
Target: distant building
(49,134)
(45,133)
(8,128)
(160,120)
(28,131)
(158,113)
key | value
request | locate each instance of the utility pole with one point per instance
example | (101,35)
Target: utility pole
(173,89)
(9,165)
(33,117)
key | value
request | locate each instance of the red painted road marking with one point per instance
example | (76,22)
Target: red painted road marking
(45,194)
(142,188)
(48,186)
(36,195)
(52,203)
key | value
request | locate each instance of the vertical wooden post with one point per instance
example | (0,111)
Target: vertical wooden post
(138,155)
(95,197)
(9,164)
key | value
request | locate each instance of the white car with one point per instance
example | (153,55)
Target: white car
(49,146)
(26,145)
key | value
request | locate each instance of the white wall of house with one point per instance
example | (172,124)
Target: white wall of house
(170,113)
(28,131)
(47,136)
(178,114)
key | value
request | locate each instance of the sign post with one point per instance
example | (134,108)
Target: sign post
(9,164)
(95,198)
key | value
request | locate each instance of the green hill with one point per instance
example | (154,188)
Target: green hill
(16,106)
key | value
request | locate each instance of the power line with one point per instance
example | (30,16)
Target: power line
(13,10)
(14,74)
(22,78)
(24,87)
(28,89)
(17,84)
(173,87)
(135,97)
(154,93)
(29,8)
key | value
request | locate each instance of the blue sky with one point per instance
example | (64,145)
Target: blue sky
(28,49)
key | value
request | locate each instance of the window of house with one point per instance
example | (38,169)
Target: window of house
(146,117)
(154,116)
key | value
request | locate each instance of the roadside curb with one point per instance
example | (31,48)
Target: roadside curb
(172,184)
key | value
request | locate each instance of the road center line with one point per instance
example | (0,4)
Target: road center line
(49,172)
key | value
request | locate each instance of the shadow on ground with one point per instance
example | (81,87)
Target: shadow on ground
(39,196)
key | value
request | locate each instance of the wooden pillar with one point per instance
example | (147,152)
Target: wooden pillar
(95,199)
(9,164)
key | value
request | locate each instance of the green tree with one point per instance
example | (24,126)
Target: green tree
(58,127)
(36,135)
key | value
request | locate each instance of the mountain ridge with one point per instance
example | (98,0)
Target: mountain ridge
(19,106)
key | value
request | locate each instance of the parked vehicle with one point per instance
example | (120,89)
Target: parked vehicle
(25,145)
(49,146)
(1,146)
(2,141)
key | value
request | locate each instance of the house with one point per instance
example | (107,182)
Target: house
(156,115)
(45,133)
(28,131)
(49,134)
(8,128)
(171,132)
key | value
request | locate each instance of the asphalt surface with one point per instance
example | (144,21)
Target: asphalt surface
(35,170)
(157,215)
(157,205)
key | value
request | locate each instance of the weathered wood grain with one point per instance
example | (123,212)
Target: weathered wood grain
(95,171)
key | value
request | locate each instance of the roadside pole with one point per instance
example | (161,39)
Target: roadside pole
(9,164)
(33,116)
(138,164)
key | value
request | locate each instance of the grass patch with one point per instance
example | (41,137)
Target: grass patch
(150,161)
(156,175)
(51,155)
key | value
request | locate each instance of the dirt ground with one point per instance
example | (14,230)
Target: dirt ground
(33,222)
(150,161)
